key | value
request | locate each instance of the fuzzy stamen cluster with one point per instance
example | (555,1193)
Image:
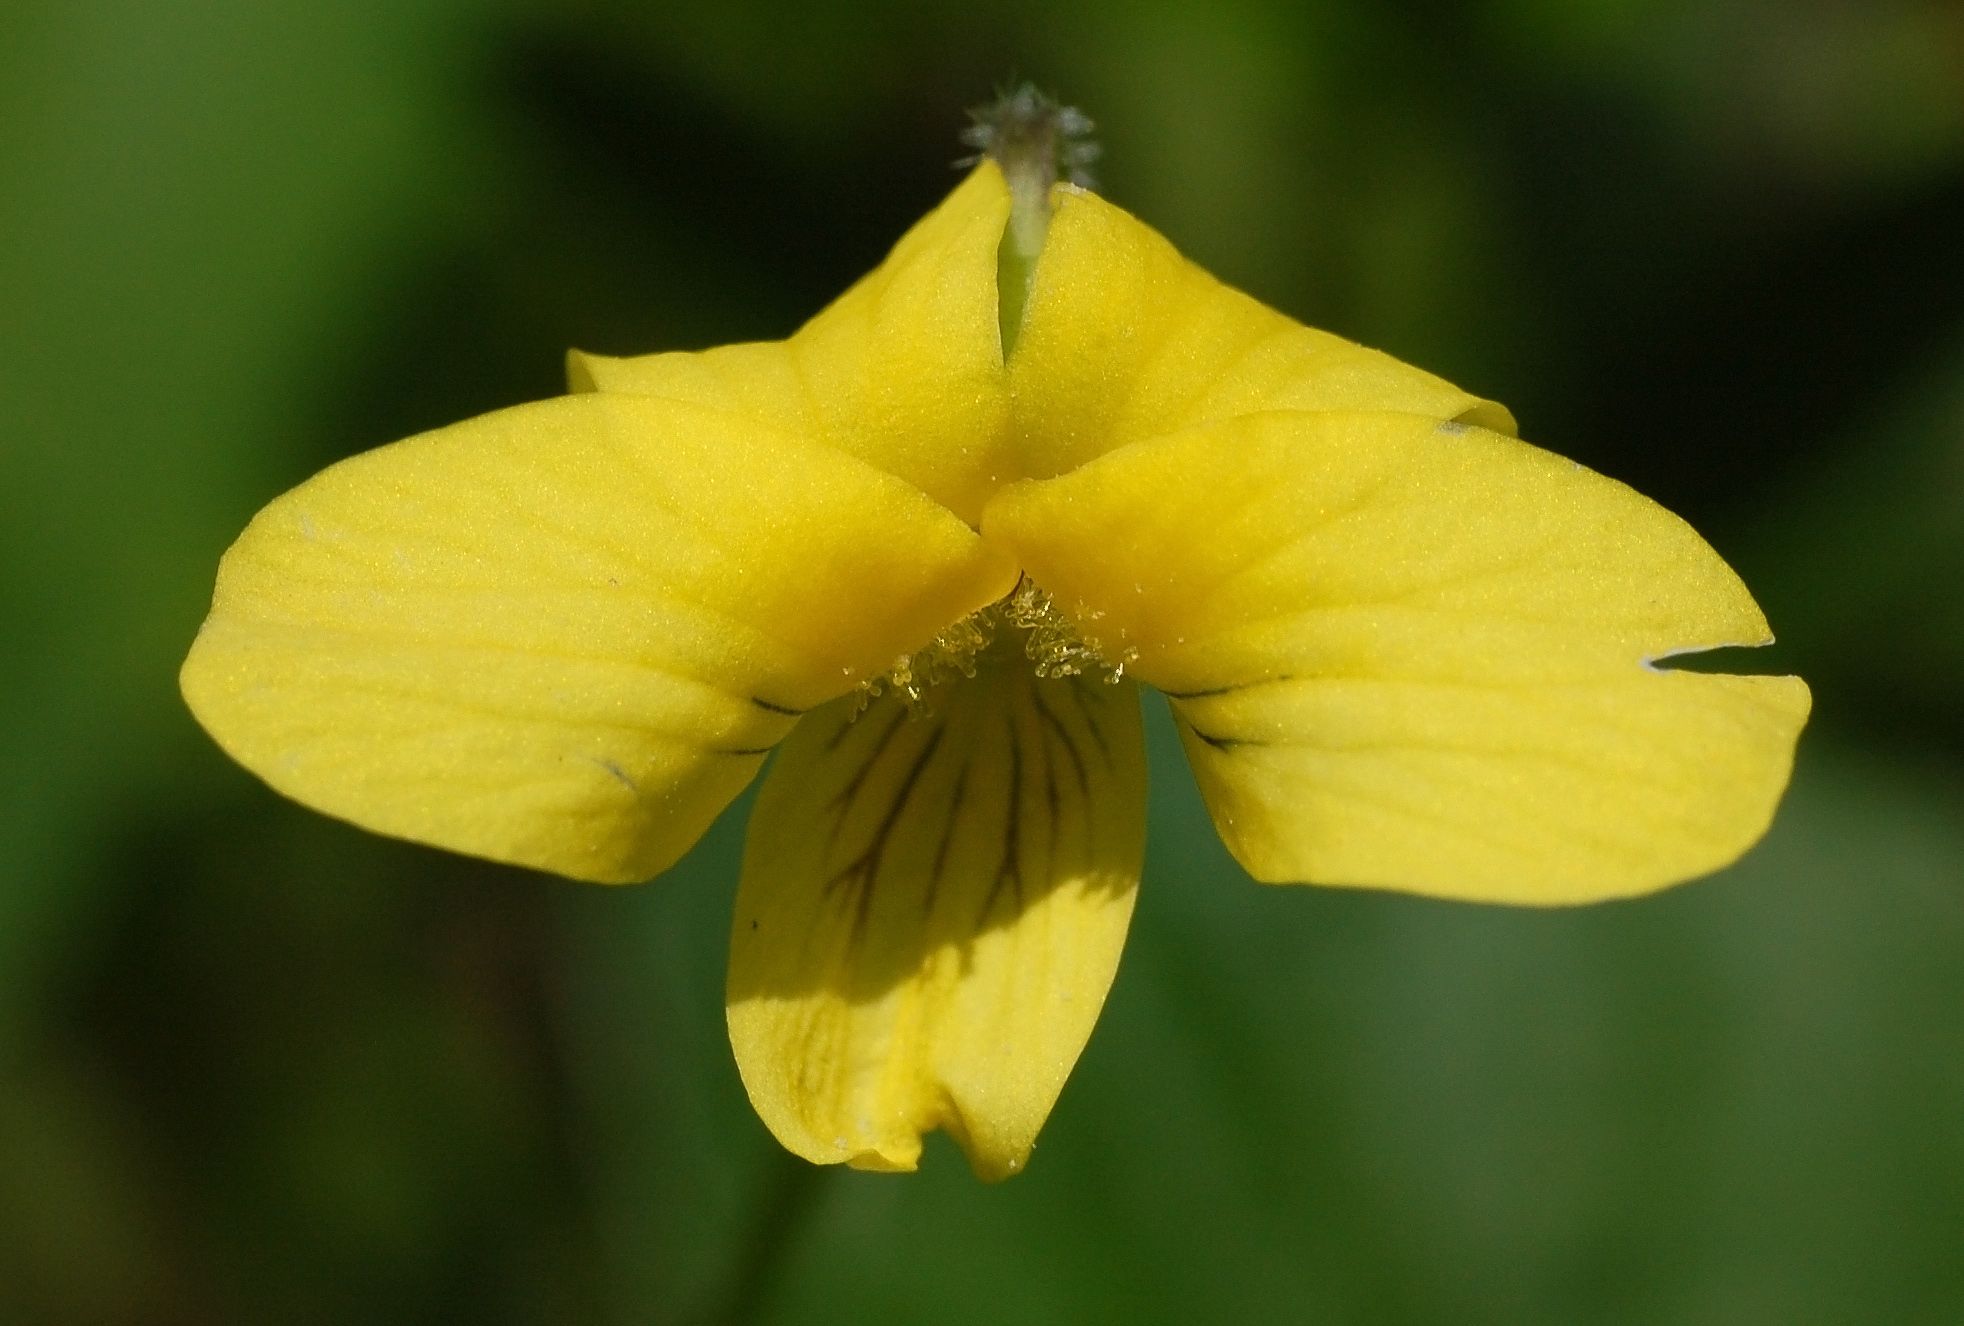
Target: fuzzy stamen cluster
(1025,622)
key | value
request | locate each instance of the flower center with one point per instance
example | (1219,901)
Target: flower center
(1025,623)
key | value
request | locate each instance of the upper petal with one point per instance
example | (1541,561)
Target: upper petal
(1125,339)
(904,370)
(564,634)
(1416,656)
(930,915)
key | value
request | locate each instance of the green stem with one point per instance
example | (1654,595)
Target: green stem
(1022,241)
(790,1192)
(1034,140)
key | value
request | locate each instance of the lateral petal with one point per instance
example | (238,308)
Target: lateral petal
(1417,656)
(564,635)
(931,913)
(1124,339)
(904,370)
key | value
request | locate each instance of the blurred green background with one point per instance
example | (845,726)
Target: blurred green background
(262,1067)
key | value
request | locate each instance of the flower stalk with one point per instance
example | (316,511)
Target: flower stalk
(1036,141)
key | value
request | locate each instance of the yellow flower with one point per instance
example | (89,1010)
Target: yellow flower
(1403,649)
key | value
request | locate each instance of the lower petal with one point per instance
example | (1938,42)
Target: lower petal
(931,912)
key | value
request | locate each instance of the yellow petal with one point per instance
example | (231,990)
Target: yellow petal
(904,370)
(930,915)
(564,634)
(1416,656)
(1124,339)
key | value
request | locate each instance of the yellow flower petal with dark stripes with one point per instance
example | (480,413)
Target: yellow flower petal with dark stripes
(931,911)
